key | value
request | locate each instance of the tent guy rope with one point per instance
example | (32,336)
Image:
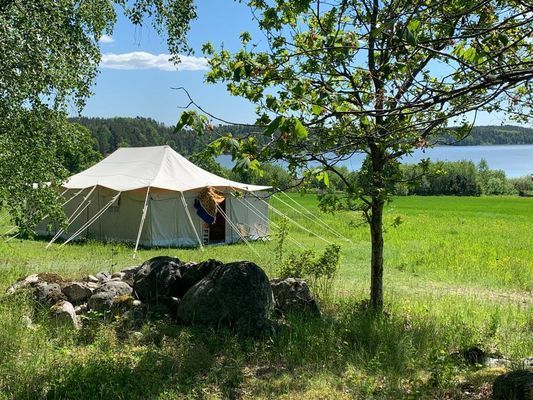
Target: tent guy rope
(92,220)
(313,219)
(190,220)
(73,216)
(236,229)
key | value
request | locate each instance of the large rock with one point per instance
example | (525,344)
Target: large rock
(129,274)
(64,315)
(293,295)
(103,276)
(31,281)
(77,292)
(474,355)
(23,283)
(103,297)
(48,293)
(238,293)
(514,385)
(161,278)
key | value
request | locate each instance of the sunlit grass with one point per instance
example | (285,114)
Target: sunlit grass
(459,272)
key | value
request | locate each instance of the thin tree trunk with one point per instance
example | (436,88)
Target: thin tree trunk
(376,264)
(376,228)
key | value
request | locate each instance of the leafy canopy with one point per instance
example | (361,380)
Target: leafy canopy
(49,60)
(380,77)
(340,77)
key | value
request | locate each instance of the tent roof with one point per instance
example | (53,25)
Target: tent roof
(131,168)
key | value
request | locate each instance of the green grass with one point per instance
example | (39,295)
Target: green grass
(459,272)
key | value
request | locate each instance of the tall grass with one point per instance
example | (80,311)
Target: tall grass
(458,274)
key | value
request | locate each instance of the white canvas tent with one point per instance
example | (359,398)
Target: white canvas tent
(146,195)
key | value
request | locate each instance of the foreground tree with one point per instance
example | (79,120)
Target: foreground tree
(381,77)
(49,56)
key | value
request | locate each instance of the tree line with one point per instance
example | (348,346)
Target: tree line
(491,135)
(112,133)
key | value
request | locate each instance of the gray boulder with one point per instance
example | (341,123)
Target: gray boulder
(103,297)
(162,278)
(129,274)
(103,276)
(77,292)
(30,280)
(48,293)
(118,275)
(293,295)
(527,362)
(514,385)
(237,294)
(64,315)
(91,279)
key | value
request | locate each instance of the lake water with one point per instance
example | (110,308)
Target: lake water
(515,160)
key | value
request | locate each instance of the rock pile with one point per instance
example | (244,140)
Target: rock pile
(238,294)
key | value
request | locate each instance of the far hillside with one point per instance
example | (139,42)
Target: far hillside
(111,133)
(495,134)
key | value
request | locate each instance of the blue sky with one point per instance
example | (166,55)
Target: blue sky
(147,92)
(136,79)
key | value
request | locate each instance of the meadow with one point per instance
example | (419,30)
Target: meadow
(458,273)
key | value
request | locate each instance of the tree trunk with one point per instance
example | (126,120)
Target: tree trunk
(376,228)
(376,264)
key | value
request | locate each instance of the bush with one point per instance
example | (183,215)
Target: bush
(522,185)
(320,271)
(459,178)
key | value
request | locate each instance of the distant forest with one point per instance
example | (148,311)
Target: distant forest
(112,133)
(493,134)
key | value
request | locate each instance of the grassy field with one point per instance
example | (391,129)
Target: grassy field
(459,272)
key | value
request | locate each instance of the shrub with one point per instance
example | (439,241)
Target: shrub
(320,271)
(522,185)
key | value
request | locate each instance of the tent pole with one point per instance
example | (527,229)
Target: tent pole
(73,216)
(143,217)
(190,220)
(92,220)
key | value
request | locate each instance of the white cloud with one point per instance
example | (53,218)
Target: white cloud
(144,60)
(106,39)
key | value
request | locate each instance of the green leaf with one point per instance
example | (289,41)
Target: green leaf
(242,163)
(300,130)
(325,178)
(316,109)
(245,37)
(410,37)
(185,120)
(469,54)
(504,39)
(237,70)
(382,28)
(273,126)
(413,25)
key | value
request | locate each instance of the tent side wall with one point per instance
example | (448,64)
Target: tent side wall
(121,221)
(170,225)
(249,214)
(166,224)
(74,205)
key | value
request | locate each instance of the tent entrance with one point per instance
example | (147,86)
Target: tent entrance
(217,231)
